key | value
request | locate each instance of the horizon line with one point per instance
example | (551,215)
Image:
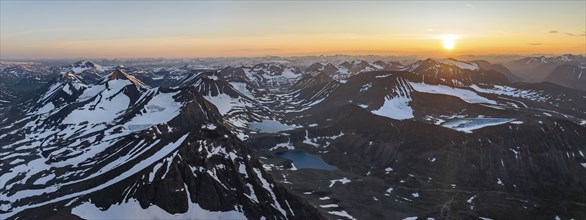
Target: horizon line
(288,56)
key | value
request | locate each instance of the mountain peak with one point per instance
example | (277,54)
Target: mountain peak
(119,74)
(70,77)
(315,67)
(450,62)
(85,63)
(565,58)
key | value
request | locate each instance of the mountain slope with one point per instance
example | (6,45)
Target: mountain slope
(571,76)
(456,72)
(163,151)
(536,69)
(235,101)
(414,168)
(412,145)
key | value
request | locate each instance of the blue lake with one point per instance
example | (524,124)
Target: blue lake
(302,159)
(269,126)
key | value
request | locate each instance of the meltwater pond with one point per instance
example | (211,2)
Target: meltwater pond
(302,159)
(269,126)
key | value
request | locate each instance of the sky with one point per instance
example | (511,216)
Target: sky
(173,29)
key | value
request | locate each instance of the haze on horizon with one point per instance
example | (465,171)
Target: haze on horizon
(171,29)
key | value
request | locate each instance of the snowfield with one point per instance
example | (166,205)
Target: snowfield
(396,108)
(466,95)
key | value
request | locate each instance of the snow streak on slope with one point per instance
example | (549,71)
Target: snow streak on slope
(512,92)
(466,95)
(105,108)
(234,100)
(35,193)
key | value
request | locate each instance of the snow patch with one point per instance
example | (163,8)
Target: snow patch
(209,126)
(160,109)
(396,108)
(343,181)
(46,108)
(241,87)
(471,199)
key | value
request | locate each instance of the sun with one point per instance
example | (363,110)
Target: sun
(449,41)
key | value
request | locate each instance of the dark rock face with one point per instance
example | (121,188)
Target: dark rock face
(318,68)
(527,169)
(262,76)
(89,71)
(239,106)
(190,159)
(6,97)
(454,74)
(510,160)
(209,84)
(382,64)
(119,74)
(313,88)
(570,76)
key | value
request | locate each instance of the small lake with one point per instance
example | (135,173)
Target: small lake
(269,126)
(302,159)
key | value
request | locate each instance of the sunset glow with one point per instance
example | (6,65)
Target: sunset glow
(449,41)
(251,28)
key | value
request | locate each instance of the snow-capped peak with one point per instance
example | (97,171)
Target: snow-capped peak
(83,65)
(554,59)
(70,77)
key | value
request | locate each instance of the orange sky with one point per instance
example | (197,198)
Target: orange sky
(207,29)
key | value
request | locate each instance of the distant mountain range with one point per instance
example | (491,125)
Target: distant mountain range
(538,69)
